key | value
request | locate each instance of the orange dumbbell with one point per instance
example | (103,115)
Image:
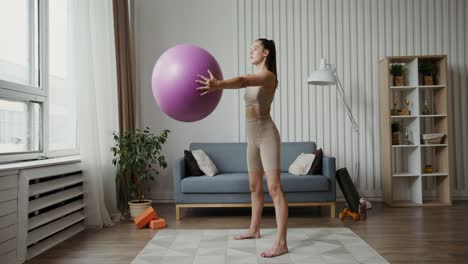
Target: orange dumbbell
(347,212)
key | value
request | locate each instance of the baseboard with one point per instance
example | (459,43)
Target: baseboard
(116,217)
(168,201)
(372,199)
(160,196)
(461,195)
(338,199)
(369,195)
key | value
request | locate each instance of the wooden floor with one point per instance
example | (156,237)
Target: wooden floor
(400,235)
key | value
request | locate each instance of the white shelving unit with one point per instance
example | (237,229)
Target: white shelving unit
(404,182)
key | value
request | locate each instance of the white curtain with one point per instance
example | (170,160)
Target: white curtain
(92,69)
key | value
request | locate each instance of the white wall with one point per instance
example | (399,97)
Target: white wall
(352,34)
(161,24)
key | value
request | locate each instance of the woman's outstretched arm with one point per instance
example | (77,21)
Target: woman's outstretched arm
(212,84)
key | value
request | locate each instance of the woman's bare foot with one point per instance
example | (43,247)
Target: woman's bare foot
(248,235)
(277,250)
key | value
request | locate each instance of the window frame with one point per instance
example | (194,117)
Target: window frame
(24,97)
(39,93)
(42,16)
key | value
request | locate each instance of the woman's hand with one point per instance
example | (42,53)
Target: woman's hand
(209,84)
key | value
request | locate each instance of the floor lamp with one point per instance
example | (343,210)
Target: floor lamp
(325,76)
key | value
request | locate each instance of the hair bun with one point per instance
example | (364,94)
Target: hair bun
(271,42)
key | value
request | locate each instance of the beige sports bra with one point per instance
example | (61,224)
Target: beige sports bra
(258,102)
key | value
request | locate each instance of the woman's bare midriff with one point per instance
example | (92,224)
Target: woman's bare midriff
(253,112)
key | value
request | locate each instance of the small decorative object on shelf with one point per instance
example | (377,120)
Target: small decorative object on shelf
(397,70)
(428,169)
(406,111)
(433,138)
(394,110)
(406,137)
(426,110)
(428,71)
(395,133)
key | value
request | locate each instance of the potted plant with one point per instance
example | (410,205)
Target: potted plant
(396,133)
(137,157)
(428,71)
(398,70)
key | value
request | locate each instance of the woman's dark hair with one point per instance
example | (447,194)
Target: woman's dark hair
(271,58)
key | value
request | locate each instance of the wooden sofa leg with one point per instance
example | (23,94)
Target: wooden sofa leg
(177,213)
(332,210)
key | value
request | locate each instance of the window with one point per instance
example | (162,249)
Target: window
(19,60)
(37,102)
(20,124)
(62,97)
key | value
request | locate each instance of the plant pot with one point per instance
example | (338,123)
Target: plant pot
(428,80)
(137,207)
(396,138)
(399,80)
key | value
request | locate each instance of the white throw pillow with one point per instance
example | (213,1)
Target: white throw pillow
(302,164)
(205,163)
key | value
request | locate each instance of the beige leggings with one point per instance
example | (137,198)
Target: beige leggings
(263,145)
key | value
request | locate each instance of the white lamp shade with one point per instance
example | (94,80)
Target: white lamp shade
(323,76)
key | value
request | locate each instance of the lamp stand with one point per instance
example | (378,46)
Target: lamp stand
(355,127)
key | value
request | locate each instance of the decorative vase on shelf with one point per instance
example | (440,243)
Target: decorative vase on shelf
(428,80)
(406,137)
(396,133)
(396,138)
(428,70)
(428,169)
(426,110)
(398,72)
(407,110)
(399,80)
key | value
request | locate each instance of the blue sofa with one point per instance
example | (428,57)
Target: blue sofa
(230,188)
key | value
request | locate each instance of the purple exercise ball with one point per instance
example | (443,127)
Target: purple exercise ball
(174,86)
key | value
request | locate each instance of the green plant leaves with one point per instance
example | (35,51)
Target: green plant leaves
(138,154)
(397,69)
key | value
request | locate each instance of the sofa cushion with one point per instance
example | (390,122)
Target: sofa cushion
(205,163)
(191,166)
(302,164)
(222,154)
(290,150)
(316,167)
(239,183)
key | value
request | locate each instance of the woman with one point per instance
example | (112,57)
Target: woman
(263,139)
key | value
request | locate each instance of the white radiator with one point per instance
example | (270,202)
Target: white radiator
(8,217)
(50,207)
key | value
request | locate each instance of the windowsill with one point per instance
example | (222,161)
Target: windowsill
(39,163)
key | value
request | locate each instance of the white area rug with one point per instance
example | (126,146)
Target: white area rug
(306,245)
